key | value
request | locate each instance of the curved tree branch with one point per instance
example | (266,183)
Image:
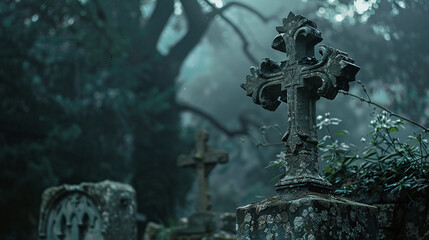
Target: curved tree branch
(197,26)
(244,122)
(245,125)
(245,46)
(385,109)
(219,12)
(216,11)
(156,23)
(198,23)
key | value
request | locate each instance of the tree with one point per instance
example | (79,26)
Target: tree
(87,95)
(387,36)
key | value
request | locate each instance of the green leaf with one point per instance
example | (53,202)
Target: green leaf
(389,156)
(412,138)
(369,154)
(275,164)
(343,132)
(393,129)
(400,122)
(276,177)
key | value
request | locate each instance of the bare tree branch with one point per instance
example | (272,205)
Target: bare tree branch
(245,123)
(245,46)
(217,11)
(197,26)
(156,23)
(385,109)
(364,89)
(244,130)
(265,142)
(198,23)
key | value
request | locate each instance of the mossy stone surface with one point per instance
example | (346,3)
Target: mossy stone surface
(309,216)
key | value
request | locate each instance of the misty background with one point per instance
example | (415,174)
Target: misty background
(93,90)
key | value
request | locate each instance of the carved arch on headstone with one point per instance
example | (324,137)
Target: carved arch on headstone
(71,215)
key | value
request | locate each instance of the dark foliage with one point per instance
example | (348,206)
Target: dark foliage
(83,99)
(388,168)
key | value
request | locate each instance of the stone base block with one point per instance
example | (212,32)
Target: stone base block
(309,216)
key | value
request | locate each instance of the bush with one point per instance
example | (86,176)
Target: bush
(386,164)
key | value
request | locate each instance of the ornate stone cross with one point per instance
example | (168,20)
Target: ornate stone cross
(300,81)
(203,158)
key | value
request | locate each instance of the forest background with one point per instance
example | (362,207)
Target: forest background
(94,90)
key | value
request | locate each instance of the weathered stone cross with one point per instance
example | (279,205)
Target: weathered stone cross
(203,158)
(300,81)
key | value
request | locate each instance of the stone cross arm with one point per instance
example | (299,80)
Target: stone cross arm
(300,81)
(267,85)
(202,153)
(210,158)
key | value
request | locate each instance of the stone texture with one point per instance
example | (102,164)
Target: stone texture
(300,81)
(385,215)
(404,220)
(306,216)
(222,228)
(99,211)
(303,210)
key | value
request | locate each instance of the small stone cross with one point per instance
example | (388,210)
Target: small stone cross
(300,81)
(203,158)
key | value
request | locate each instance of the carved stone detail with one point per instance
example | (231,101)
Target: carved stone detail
(75,217)
(300,81)
(89,211)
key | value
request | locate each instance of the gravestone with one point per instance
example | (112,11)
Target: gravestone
(202,159)
(203,224)
(304,207)
(89,211)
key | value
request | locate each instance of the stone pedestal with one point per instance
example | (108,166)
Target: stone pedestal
(309,216)
(98,211)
